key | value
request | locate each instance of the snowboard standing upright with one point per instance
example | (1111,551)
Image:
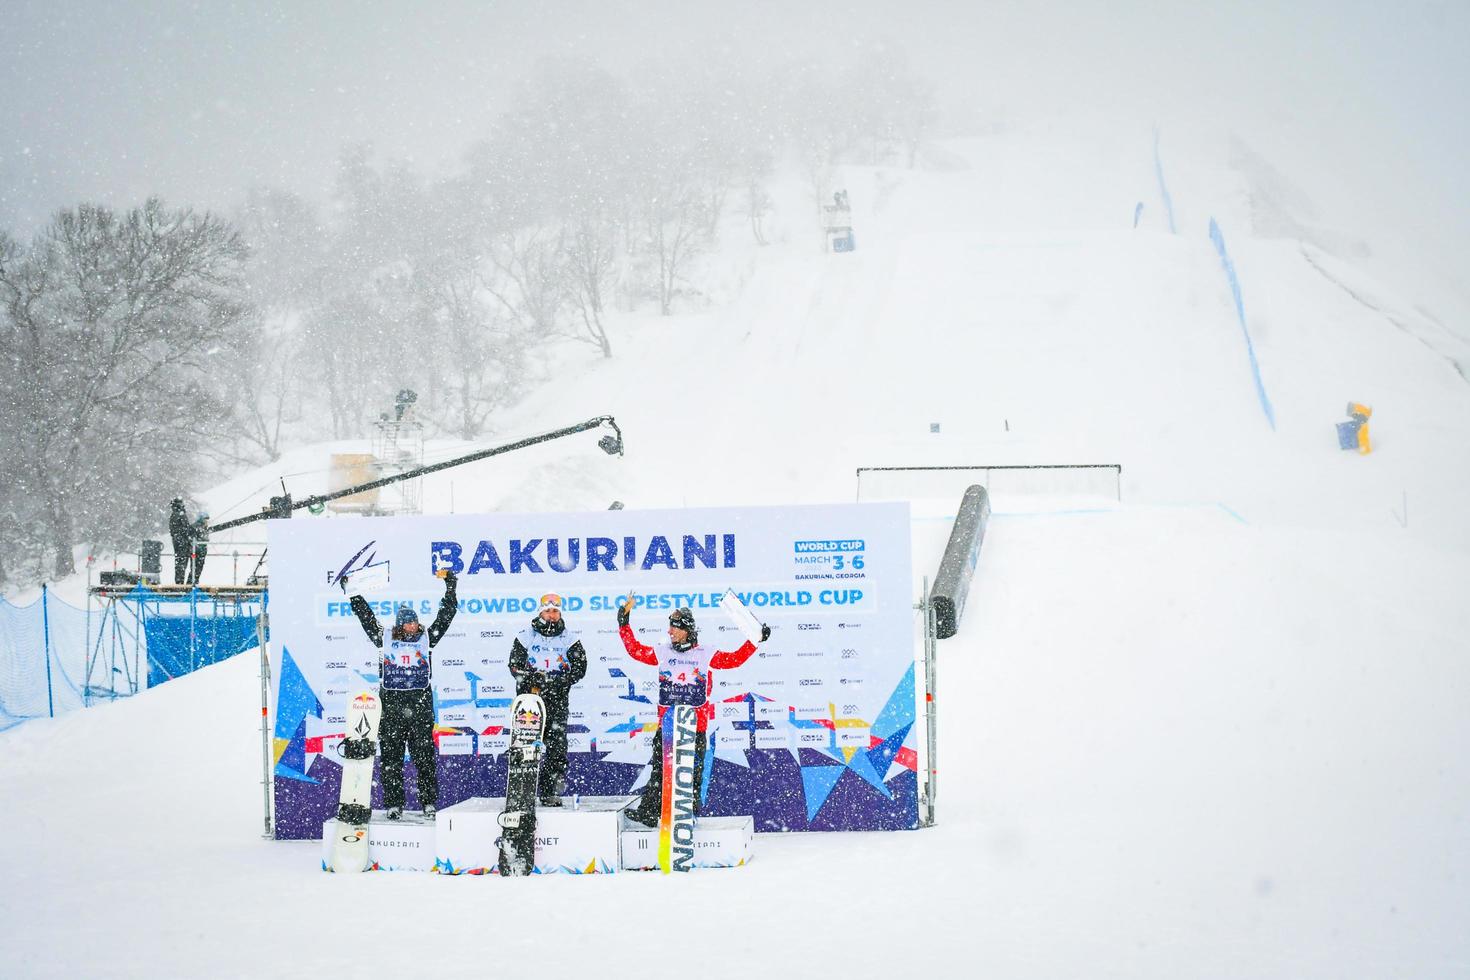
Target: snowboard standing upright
(678,731)
(523,769)
(357,750)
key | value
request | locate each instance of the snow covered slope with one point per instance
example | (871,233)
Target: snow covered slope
(1216,729)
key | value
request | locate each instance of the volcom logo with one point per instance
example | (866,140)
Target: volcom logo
(362,728)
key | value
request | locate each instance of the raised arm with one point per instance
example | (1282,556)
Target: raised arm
(448,606)
(638,651)
(727,659)
(370,624)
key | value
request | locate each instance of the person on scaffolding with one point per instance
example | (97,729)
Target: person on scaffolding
(199,533)
(406,669)
(183,539)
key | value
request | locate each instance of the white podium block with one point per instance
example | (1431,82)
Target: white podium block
(568,841)
(393,845)
(719,842)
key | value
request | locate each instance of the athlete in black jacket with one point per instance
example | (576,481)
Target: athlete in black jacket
(406,669)
(547,659)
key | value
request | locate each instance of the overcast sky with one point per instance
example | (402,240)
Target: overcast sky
(113,101)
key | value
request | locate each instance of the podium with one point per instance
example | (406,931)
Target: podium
(719,842)
(589,835)
(580,839)
(393,845)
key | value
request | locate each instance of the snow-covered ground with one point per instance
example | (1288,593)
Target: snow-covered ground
(1216,729)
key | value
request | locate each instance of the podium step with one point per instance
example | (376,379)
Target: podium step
(719,842)
(393,845)
(583,836)
(579,837)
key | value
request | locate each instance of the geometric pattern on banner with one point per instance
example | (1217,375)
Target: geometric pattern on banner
(295,703)
(863,766)
(850,805)
(818,782)
(837,770)
(883,754)
(871,765)
(899,711)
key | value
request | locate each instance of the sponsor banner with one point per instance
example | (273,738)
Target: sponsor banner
(779,738)
(493,744)
(832,582)
(456,744)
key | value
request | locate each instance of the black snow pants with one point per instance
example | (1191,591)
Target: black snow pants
(408,719)
(554,738)
(183,549)
(651,804)
(201,551)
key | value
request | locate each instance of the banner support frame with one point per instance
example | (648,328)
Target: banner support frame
(931,710)
(262,624)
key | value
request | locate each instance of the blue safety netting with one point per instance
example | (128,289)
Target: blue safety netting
(180,644)
(56,658)
(43,658)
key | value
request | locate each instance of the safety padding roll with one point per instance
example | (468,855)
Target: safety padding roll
(957,567)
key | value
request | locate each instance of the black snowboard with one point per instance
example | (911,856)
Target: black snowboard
(518,819)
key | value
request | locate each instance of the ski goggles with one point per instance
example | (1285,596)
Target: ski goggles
(550,601)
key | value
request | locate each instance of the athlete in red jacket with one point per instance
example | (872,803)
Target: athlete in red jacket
(685,676)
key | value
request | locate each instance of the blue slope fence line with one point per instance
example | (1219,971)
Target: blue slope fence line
(1219,239)
(44,648)
(42,652)
(1163,187)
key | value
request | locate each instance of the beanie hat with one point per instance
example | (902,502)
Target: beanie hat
(682,618)
(405,615)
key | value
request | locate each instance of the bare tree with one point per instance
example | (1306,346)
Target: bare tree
(271,395)
(591,263)
(531,283)
(476,348)
(113,327)
(674,194)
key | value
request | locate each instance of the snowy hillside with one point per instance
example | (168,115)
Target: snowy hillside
(1213,730)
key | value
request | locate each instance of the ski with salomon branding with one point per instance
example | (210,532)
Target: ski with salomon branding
(679,729)
(356,753)
(523,768)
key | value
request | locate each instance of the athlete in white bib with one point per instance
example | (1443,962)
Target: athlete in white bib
(547,658)
(406,668)
(684,677)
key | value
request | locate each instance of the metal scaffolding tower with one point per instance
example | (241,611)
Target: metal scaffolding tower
(117,655)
